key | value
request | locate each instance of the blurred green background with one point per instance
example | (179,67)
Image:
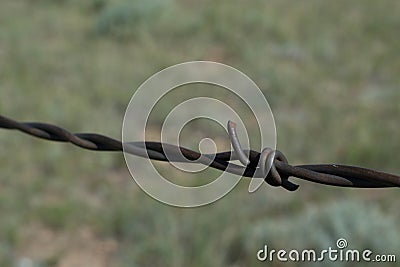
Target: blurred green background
(329,69)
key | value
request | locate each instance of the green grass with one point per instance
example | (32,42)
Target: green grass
(328,69)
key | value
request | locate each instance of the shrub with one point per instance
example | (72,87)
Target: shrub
(127,19)
(363,226)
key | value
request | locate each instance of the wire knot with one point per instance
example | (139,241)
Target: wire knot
(273,177)
(265,162)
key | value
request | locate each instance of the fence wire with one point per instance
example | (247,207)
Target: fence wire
(270,165)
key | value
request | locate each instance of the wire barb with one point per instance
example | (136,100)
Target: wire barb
(269,165)
(236,144)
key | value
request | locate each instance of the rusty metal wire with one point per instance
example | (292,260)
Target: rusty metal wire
(270,165)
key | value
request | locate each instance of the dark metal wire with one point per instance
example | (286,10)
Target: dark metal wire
(270,165)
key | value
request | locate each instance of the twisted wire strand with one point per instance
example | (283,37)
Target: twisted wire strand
(270,165)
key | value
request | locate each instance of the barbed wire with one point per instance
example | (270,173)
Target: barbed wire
(270,165)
